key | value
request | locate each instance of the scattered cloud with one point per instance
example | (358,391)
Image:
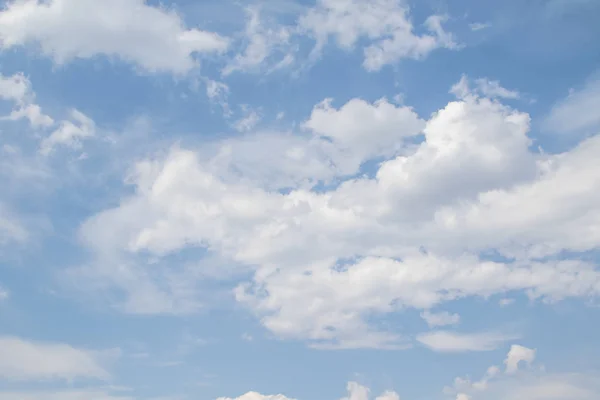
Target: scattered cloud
(265,43)
(70,133)
(24,360)
(257,396)
(533,384)
(385,23)
(321,247)
(250,119)
(506,302)
(493,89)
(578,111)
(17,88)
(445,341)
(516,355)
(440,319)
(478,26)
(483,87)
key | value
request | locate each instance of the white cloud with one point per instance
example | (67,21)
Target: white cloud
(355,390)
(70,133)
(493,89)
(365,130)
(445,341)
(325,261)
(218,93)
(17,88)
(477,26)
(534,384)
(262,39)
(153,38)
(33,113)
(385,23)
(256,396)
(506,302)
(250,119)
(22,360)
(492,386)
(358,392)
(4,294)
(484,87)
(440,319)
(578,111)
(516,355)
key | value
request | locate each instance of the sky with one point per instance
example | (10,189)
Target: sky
(299,200)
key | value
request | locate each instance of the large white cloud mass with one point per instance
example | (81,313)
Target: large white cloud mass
(331,244)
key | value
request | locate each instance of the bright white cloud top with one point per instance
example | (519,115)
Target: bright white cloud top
(290,197)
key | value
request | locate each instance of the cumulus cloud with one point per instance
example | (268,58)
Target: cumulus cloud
(516,355)
(152,38)
(412,234)
(22,360)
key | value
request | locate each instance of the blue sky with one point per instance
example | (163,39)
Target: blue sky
(275,200)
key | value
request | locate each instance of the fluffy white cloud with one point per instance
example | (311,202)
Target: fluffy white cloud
(15,88)
(516,355)
(22,360)
(413,235)
(32,113)
(358,392)
(153,38)
(362,130)
(385,23)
